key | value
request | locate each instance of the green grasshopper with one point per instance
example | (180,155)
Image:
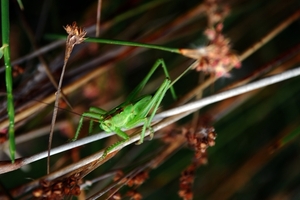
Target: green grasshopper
(132,112)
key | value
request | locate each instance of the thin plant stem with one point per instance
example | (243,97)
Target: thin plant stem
(270,35)
(8,77)
(98,18)
(54,116)
(75,36)
(134,44)
(230,93)
(123,43)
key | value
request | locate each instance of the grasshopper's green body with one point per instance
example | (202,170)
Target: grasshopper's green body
(132,112)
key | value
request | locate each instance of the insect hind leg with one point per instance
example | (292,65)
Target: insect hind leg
(115,145)
(154,104)
(159,62)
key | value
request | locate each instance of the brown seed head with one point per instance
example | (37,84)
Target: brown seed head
(75,34)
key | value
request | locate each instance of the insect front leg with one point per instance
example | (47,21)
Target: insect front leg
(94,114)
(95,110)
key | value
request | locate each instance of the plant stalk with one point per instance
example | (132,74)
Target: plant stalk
(8,76)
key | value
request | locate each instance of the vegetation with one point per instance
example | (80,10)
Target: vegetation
(244,147)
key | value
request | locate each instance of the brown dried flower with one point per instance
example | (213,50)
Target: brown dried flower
(75,34)
(58,189)
(216,11)
(217,57)
(138,179)
(134,195)
(186,183)
(116,196)
(199,141)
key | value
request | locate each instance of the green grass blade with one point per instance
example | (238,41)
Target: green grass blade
(8,76)
(122,43)
(20,4)
(133,44)
(291,136)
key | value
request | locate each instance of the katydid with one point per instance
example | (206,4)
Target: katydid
(132,112)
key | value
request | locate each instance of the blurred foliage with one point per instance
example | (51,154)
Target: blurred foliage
(256,155)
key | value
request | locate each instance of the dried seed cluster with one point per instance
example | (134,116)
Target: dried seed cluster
(216,11)
(134,195)
(186,183)
(135,182)
(116,196)
(58,189)
(75,34)
(215,58)
(199,141)
(138,179)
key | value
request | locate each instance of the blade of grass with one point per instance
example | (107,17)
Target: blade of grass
(20,4)
(290,137)
(8,77)
(122,43)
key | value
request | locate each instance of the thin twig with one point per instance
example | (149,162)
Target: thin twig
(98,17)
(75,36)
(270,35)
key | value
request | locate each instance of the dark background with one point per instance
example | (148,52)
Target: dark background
(247,161)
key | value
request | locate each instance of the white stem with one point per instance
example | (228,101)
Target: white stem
(229,93)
